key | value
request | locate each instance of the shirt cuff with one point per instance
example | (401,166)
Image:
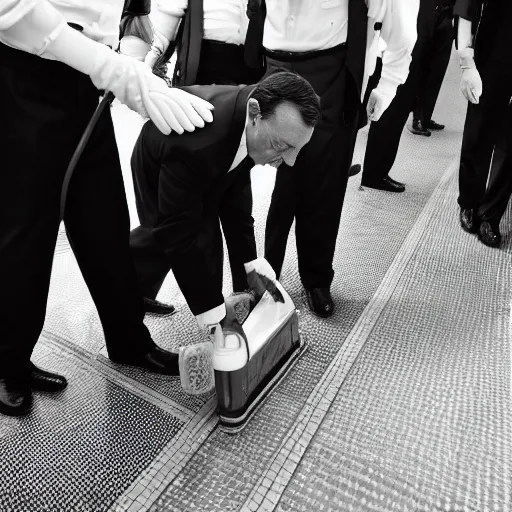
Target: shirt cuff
(261,266)
(212,316)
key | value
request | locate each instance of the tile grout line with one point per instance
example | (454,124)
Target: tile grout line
(287,457)
(131,385)
(150,484)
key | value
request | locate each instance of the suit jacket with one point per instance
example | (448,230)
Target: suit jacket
(491,26)
(183,188)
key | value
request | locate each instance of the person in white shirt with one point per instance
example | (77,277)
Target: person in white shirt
(54,60)
(333,44)
(209,37)
(384,135)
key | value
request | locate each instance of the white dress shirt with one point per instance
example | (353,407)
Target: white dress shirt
(224,20)
(305,25)
(312,25)
(215,315)
(99,18)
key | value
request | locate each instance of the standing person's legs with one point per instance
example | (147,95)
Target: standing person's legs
(313,190)
(98,224)
(384,135)
(434,68)
(483,124)
(43,127)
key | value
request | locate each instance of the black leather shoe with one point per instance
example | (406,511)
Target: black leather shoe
(156,360)
(156,307)
(418,129)
(15,396)
(354,169)
(468,220)
(41,380)
(488,234)
(320,302)
(388,184)
(432,125)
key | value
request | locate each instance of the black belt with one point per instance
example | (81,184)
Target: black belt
(298,56)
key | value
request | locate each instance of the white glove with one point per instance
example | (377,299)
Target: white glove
(136,86)
(164,30)
(261,278)
(377,104)
(159,46)
(44,30)
(471,82)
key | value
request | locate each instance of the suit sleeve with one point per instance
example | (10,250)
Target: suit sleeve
(467,9)
(238,226)
(180,205)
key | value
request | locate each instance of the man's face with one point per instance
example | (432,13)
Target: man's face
(278,138)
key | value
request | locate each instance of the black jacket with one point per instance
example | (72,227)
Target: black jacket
(183,188)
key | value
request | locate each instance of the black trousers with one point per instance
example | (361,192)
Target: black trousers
(224,64)
(152,262)
(313,190)
(431,54)
(487,129)
(433,69)
(45,108)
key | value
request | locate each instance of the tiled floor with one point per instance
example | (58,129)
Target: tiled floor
(402,402)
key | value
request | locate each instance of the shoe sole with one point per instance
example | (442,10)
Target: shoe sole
(8,411)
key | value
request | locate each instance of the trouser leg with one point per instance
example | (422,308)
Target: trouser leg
(484,122)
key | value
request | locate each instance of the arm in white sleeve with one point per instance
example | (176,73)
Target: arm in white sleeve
(165,19)
(44,29)
(471,82)
(399,31)
(11,11)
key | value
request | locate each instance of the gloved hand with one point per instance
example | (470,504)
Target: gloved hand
(377,104)
(229,332)
(164,30)
(262,278)
(471,82)
(158,47)
(45,31)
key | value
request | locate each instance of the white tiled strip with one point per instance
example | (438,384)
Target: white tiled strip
(270,487)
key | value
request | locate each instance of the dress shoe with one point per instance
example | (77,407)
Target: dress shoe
(320,302)
(156,307)
(432,125)
(388,184)
(41,380)
(418,129)
(156,360)
(468,220)
(489,234)
(15,396)
(354,169)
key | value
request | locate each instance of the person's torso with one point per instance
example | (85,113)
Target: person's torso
(225,20)
(494,37)
(211,150)
(99,18)
(305,25)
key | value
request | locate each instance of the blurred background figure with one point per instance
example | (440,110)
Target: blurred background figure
(431,53)
(135,29)
(208,37)
(483,43)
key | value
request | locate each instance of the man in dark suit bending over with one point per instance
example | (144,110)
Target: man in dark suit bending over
(184,185)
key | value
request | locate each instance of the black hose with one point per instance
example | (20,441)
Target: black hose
(106,101)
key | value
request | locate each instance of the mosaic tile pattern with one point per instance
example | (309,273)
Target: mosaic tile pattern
(79,450)
(423,421)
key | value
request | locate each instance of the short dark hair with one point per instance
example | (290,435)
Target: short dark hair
(279,86)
